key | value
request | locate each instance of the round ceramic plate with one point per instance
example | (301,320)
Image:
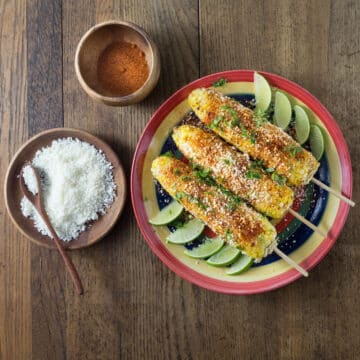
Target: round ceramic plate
(303,245)
(96,230)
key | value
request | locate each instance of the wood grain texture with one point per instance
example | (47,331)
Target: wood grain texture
(15,307)
(316,44)
(134,307)
(45,110)
(125,312)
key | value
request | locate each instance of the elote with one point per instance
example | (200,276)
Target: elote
(253,134)
(231,219)
(234,170)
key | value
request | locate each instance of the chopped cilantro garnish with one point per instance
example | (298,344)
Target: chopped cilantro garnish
(270,170)
(253,137)
(244,131)
(168,154)
(203,173)
(227,161)
(260,117)
(251,174)
(180,195)
(235,121)
(219,82)
(208,180)
(216,121)
(234,202)
(293,150)
(186,178)
(197,201)
(225,191)
(229,236)
(192,199)
(201,205)
(176,154)
(230,110)
(257,163)
(280,179)
(177,172)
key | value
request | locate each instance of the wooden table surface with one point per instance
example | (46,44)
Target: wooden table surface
(134,307)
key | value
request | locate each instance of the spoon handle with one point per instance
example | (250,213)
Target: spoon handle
(70,267)
(67,260)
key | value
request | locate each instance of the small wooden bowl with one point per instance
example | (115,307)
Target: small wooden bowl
(13,195)
(95,41)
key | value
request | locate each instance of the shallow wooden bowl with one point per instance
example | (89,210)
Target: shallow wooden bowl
(96,230)
(95,41)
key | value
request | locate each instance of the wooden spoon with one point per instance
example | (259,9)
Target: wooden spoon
(37,202)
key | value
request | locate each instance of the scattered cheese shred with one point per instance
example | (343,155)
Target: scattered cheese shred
(77,186)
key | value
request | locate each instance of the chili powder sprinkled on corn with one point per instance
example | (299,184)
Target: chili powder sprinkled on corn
(122,68)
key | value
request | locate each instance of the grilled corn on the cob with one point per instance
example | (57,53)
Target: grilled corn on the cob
(253,135)
(234,170)
(239,225)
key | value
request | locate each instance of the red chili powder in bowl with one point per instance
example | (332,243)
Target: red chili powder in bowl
(122,68)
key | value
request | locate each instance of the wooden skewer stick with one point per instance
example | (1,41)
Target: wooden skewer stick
(291,262)
(306,222)
(332,191)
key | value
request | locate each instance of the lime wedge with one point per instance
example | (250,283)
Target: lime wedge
(317,142)
(262,92)
(282,110)
(207,248)
(189,232)
(168,214)
(226,256)
(302,124)
(241,265)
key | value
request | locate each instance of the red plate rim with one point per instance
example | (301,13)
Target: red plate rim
(171,261)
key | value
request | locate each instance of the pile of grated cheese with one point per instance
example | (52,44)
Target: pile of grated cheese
(77,186)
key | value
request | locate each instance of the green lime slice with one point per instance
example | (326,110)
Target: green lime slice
(262,92)
(168,214)
(226,256)
(241,265)
(317,142)
(302,124)
(189,232)
(282,110)
(206,249)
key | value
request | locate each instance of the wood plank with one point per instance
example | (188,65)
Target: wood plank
(131,299)
(341,96)
(15,305)
(316,44)
(134,307)
(45,110)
